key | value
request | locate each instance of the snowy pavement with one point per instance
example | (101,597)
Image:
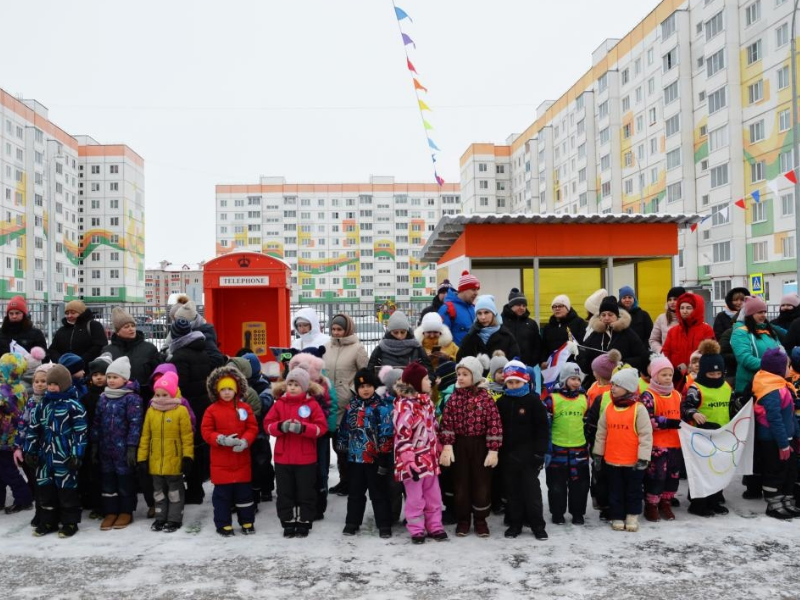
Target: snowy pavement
(743,555)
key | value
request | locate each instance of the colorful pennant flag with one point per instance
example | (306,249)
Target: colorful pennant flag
(419,86)
(423,106)
(790,175)
(703,220)
(756,196)
(407,40)
(427,126)
(432,145)
(401,14)
(410,66)
(774,187)
(439,180)
(741,203)
(433,157)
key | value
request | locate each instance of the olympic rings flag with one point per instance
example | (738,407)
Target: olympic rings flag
(714,457)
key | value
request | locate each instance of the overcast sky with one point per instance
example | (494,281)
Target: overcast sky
(316,90)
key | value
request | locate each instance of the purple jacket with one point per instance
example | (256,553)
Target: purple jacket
(117,426)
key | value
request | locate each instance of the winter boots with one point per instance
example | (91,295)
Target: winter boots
(68,530)
(108,523)
(617,525)
(776,507)
(651,512)
(632,523)
(665,508)
(123,520)
(481,528)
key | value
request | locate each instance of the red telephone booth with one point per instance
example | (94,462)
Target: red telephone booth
(247,298)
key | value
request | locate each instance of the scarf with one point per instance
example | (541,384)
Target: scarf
(486,332)
(114,394)
(664,390)
(184,341)
(399,347)
(519,392)
(165,404)
(627,400)
(571,393)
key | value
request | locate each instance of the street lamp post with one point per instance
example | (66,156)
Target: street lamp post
(796,149)
(51,237)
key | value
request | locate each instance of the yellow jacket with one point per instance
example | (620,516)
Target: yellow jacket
(166,440)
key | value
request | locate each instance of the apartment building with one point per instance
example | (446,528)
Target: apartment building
(163,282)
(689,112)
(50,244)
(345,242)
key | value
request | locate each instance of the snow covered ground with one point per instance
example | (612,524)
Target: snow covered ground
(743,555)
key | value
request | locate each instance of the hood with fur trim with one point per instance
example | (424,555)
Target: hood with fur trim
(624,321)
(242,364)
(279,389)
(225,371)
(313,364)
(444,340)
(698,314)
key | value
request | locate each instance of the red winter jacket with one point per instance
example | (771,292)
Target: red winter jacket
(292,448)
(685,337)
(222,418)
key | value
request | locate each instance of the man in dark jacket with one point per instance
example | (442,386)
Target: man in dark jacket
(17,326)
(563,325)
(438,300)
(517,319)
(641,323)
(725,318)
(79,334)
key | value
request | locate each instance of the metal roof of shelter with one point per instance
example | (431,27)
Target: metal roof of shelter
(451,227)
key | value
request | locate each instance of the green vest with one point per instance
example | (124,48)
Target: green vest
(715,403)
(568,416)
(605,400)
(643,385)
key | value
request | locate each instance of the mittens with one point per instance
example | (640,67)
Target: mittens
(641,465)
(227,440)
(241,445)
(131,456)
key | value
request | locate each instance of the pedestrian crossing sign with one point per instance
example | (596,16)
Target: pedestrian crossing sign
(757,284)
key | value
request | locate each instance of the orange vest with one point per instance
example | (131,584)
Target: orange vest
(597,390)
(669,407)
(622,439)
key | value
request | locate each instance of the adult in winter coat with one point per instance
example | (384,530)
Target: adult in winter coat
(79,334)
(641,323)
(751,339)
(726,317)
(436,339)
(398,347)
(564,325)
(517,319)
(18,327)
(127,341)
(438,300)
(666,320)
(790,310)
(487,334)
(458,312)
(684,338)
(306,327)
(610,328)
(186,309)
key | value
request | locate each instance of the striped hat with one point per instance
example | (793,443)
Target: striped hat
(468,282)
(516,370)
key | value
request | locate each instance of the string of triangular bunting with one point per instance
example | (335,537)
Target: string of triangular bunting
(773,186)
(418,87)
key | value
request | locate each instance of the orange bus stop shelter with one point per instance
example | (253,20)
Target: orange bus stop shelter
(546,254)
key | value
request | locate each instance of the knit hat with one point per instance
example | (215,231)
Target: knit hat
(339,320)
(562,299)
(120,318)
(474,366)
(389,376)
(753,305)
(516,297)
(44,368)
(72,362)
(77,305)
(627,379)
(568,370)
(169,383)
(468,282)
(486,302)
(658,364)
(59,375)
(17,303)
(187,310)
(605,364)
(498,361)
(609,304)
(365,377)
(794,357)
(100,364)
(161,369)
(432,322)
(398,321)
(300,377)
(413,375)
(121,367)
(592,304)
(446,373)
(676,292)
(224,383)
(627,290)
(710,361)
(255,364)
(775,361)
(792,299)
(445,286)
(179,328)
(516,370)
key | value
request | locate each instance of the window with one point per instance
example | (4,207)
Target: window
(752,13)
(651,86)
(783,77)
(722,252)
(637,66)
(113,186)
(759,212)
(605,189)
(757,171)
(720,215)
(673,125)
(788,246)
(113,222)
(639,94)
(787,204)
(95,187)
(784,120)
(715,62)
(582,199)
(671,93)
(755,91)
(760,252)
(668,26)
(717,100)
(482,167)
(626,76)
(602,82)
(484,201)
(483,184)
(701,61)
(500,169)
(626,103)
(582,151)
(674,191)
(95,169)
(782,35)
(717,138)
(754,52)
(602,110)
(653,146)
(580,129)
(640,123)
(670,60)
(757,131)
(785,160)
(605,162)
(113,169)
(714,26)
(721,288)
(626,131)
(653,116)
(582,175)
(674,158)
(719,175)
(650,56)
(629,159)
(605,136)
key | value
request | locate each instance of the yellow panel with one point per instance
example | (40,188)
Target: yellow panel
(653,281)
(577,283)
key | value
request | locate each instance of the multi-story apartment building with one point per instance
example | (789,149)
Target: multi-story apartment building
(164,282)
(345,242)
(72,211)
(689,112)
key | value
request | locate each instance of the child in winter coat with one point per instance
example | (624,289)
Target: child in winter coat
(77,369)
(472,433)
(603,368)
(167,444)
(298,422)
(389,376)
(777,434)
(261,450)
(115,440)
(445,384)
(13,399)
(707,404)
(663,404)
(55,441)
(416,451)
(568,472)
(38,390)
(365,435)
(624,443)
(525,433)
(89,480)
(495,380)
(229,428)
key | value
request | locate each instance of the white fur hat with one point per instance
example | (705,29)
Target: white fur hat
(592,304)
(432,322)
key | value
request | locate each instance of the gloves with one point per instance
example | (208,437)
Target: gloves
(18,458)
(74,463)
(785,453)
(491,459)
(538,462)
(186,466)
(31,460)
(641,465)
(447,457)
(241,445)
(665,423)
(227,440)
(132,451)
(293,426)
(598,462)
